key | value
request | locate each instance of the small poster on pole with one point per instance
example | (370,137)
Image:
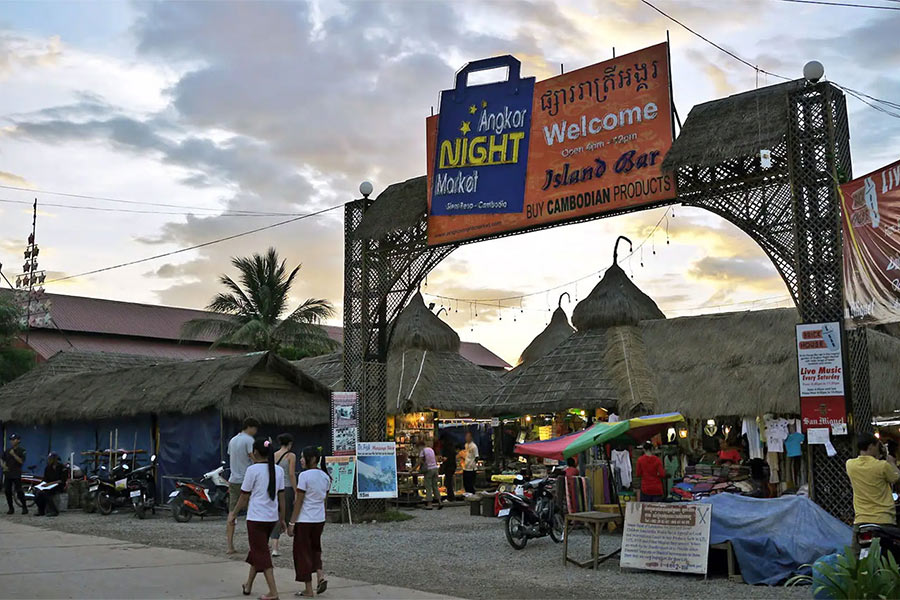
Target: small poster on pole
(376,470)
(666,537)
(344,423)
(342,470)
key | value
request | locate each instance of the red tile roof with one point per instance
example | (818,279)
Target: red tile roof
(97,324)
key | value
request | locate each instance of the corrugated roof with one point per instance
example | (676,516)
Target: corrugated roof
(99,318)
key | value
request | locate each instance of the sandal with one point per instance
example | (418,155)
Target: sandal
(323,585)
(245,589)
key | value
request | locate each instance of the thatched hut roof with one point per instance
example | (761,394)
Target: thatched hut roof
(425,370)
(552,336)
(733,127)
(400,206)
(884,374)
(258,384)
(613,302)
(417,327)
(327,368)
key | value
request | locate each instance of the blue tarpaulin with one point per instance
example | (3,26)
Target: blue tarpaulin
(188,446)
(774,537)
(74,437)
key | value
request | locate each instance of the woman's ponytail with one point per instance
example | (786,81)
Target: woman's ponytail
(264,447)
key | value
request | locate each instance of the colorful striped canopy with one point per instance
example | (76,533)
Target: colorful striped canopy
(634,431)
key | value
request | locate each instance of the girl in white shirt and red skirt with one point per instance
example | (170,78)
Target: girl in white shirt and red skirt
(262,492)
(308,520)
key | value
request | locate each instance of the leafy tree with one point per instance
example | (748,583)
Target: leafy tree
(253,311)
(13,361)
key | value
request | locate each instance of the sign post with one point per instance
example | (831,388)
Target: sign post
(666,537)
(344,423)
(376,470)
(820,364)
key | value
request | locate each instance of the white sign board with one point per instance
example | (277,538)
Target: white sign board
(376,470)
(344,431)
(666,537)
(819,360)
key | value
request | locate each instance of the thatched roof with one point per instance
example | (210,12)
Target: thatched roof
(327,368)
(733,127)
(400,206)
(613,302)
(551,337)
(417,327)
(258,384)
(884,372)
(425,370)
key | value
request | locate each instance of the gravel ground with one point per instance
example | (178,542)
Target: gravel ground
(445,551)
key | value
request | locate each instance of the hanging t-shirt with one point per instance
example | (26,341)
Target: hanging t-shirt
(621,460)
(754,445)
(776,433)
(794,443)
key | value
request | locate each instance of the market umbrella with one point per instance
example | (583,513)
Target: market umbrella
(636,430)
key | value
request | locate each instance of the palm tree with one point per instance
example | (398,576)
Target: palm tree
(251,313)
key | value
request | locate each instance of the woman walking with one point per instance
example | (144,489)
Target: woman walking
(288,461)
(308,520)
(262,492)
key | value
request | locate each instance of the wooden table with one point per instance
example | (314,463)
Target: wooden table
(595,521)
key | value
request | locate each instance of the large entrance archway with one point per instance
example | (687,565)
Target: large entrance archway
(791,209)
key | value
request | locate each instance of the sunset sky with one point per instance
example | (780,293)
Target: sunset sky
(213,108)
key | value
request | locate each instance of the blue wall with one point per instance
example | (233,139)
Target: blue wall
(189,446)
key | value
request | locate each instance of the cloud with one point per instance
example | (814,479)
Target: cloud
(13,179)
(20,52)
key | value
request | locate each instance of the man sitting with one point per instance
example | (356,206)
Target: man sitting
(46,499)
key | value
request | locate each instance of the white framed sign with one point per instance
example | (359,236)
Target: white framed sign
(666,537)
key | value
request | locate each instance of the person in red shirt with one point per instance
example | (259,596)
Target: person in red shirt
(650,470)
(728,455)
(571,469)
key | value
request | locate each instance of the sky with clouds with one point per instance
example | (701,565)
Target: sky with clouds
(219,108)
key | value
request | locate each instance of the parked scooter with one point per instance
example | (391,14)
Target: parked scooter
(208,496)
(142,488)
(108,490)
(888,535)
(531,512)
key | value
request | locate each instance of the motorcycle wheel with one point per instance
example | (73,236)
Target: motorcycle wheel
(515,530)
(140,511)
(104,503)
(29,500)
(180,512)
(557,527)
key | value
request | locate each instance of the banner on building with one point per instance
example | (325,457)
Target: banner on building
(871,227)
(666,537)
(517,154)
(820,364)
(344,423)
(376,470)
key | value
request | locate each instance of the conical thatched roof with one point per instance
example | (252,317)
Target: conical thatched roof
(260,385)
(613,302)
(400,206)
(552,336)
(419,328)
(425,370)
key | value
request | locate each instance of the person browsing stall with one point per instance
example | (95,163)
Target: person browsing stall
(571,467)
(728,455)
(651,471)
(262,494)
(240,457)
(871,478)
(308,520)
(427,464)
(470,463)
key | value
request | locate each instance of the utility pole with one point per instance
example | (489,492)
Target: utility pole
(31,298)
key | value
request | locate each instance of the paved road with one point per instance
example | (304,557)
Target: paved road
(41,563)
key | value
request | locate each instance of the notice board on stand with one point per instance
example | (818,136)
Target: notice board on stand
(666,537)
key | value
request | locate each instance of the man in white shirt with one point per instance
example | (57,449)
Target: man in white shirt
(240,451)
(469,465)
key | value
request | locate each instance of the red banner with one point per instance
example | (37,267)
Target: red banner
(871,227)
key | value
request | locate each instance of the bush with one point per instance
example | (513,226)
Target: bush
(874,576)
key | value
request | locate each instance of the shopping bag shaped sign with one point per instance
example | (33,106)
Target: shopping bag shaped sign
(482,144)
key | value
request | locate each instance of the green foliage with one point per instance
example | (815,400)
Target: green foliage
(10,315)
(874,576)
(15,362)
(253,311)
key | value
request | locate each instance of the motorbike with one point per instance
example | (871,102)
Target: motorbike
(108,490)
(888,535)
(205,497)
(142,488)
(531,512)
(32,482)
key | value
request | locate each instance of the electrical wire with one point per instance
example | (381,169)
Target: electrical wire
(146,212)
(195,247)
(842,4)
(138,202)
